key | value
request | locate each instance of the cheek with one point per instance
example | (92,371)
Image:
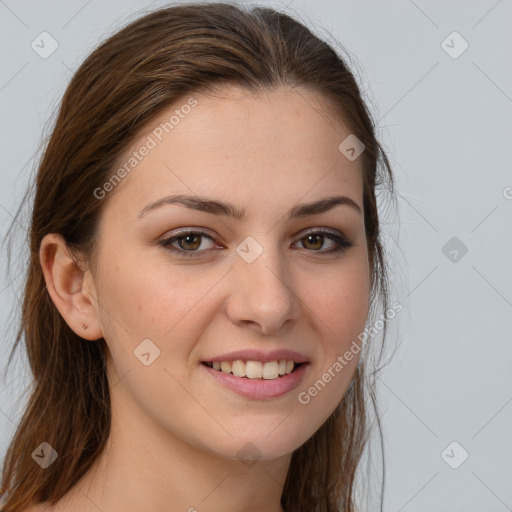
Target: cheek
(341,302)
(171,306)
(340,310)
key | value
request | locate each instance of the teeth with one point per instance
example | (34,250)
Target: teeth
(225,367)
(271,370)
(255,369)
(238,368)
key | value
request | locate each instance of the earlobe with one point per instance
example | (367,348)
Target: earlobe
(65,282)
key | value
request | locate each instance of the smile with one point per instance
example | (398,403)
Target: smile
(257,379)
(255,369)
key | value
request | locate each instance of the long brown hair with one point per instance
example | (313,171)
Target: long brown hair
(128,80)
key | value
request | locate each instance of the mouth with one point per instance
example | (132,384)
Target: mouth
(255,370)
(258,380)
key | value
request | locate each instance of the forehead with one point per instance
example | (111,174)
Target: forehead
(278,145)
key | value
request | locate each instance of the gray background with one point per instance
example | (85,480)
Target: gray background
(446,124)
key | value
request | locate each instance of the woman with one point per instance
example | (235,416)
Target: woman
(205,255)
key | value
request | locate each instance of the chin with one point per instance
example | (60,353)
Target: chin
(258,445)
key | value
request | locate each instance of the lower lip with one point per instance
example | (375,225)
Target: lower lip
(259,389)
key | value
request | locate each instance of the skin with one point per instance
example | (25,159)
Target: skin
(175,431)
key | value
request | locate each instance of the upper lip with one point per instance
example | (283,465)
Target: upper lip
(260,355)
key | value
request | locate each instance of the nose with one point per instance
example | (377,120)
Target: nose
(263,296)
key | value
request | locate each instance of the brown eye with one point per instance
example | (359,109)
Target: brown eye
(314,241)
(191,242)
(188,243)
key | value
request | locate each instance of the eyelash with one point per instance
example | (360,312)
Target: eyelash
(343,243)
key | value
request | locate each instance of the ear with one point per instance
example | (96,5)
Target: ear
(66,282)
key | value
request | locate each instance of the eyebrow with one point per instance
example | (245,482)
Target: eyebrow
(216,207)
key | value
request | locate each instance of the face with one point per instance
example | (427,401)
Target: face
(183,290)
